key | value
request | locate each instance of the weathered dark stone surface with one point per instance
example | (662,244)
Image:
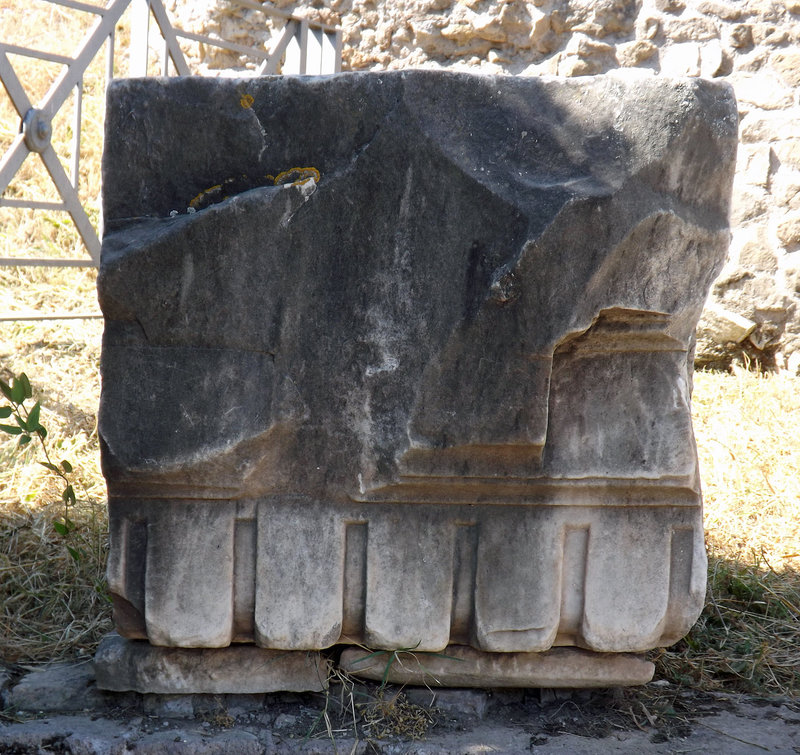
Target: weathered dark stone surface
(57,688)
(432,397)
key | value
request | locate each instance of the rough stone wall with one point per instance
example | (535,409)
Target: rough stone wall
(754,308)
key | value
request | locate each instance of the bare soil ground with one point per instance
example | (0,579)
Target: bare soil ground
(659,718)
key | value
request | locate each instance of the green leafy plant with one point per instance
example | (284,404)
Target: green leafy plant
(28,427)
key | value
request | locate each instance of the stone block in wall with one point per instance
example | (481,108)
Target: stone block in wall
(769,34)
(634,53)
(788,230)
(755,164)
(767,126)
(403,359)
(719,9)
(752,249)
(693,59)
(792,358)
(647,26)
(788,150)
(690,29)
(427,33)
(739,36)
(763,89)
(786,189)
(681,59)
(464,25)
(531,29)
(749,202)
(597,18)
(787,64)
(790,272)
(723,326)
(584,56)
(759,297)
(751,62)
(713,59)
(670,6)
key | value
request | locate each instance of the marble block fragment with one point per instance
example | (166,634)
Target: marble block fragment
(460,666)
(121,665)
(404,358)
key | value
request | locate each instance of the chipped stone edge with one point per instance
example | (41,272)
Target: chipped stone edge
(133,665)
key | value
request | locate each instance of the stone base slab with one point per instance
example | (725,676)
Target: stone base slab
(129,665)
(460,666)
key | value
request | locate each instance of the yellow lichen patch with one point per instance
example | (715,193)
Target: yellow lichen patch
(295,176)
(203,195)
(246,101)
(236,185)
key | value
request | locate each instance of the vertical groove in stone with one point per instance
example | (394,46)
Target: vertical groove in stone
(125,574)
(116,566)
(135,563)
(573,583)
(465,559)
(354,590)
(244,579)
(681,611)
(680,563)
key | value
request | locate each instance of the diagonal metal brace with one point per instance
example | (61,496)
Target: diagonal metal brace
(35,129)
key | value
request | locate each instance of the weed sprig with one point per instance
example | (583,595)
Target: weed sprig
(28,426)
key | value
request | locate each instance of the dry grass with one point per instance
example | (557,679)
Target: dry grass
(748,637)
(50,605)
(747,430)
(53,606)
(391,714)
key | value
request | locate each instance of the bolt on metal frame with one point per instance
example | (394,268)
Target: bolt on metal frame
(303,46)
